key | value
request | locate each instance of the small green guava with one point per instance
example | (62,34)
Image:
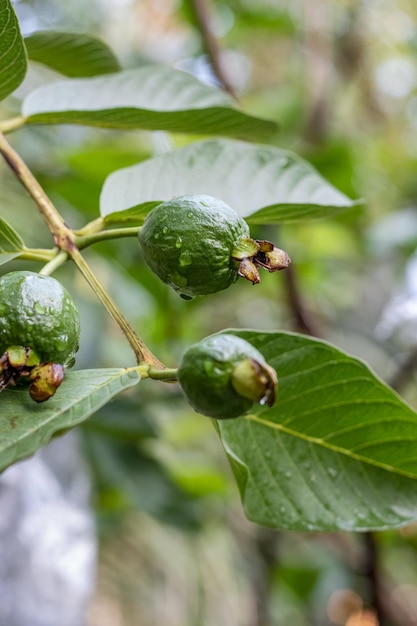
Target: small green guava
(223,375)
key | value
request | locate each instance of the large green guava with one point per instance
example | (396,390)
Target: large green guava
(188,243)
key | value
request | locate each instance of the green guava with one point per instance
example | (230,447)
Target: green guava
(207,375)
(37,312)
(188,242)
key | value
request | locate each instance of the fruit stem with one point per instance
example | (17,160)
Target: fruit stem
(54,263)
(13,123)
(86,240)
(141,351)
(168,375)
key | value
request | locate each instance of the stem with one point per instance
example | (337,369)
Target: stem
(12,124)
(36,254)
(116,233)
(202,14)
(92,227)
(372,572)
(142,353)
(168,375)
(54,263)
(303,321)
(63,236)
(64,239)
(405,372)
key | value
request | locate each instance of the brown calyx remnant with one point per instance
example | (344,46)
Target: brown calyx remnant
(254,253)
(20,363)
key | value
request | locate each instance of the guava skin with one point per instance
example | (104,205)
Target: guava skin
(37,312)
(187,242)
(205,374)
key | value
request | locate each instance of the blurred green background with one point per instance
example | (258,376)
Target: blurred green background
(340,76)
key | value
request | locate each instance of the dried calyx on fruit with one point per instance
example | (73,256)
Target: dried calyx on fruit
(39,332)
(199,245)
(222,376)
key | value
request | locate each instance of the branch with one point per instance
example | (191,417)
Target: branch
(211,46)
(303,321)
(371,569)
(141,351)
(65,239)
(63,236)
(405,372)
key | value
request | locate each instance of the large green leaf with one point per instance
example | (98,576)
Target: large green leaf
(11,244)
(153,98)
(337,451)
(263,184)
(71,54)
(25,426)
(13,62)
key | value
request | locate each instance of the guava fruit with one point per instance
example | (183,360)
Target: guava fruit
(188,243)
(39,332)
(223,375)
(37,312)
(199,245)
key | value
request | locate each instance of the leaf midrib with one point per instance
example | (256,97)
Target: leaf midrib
(324,444)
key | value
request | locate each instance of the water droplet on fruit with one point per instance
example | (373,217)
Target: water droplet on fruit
(189,214)
(156,236)
(185,259)
(178,243)
(39,308)
(165,230)
(287,474)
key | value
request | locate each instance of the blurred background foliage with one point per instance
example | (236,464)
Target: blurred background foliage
(340,76)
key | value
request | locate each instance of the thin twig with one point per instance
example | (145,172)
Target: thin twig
(404,372)
(303,322)
(371,569)
(203,15)
(141,351)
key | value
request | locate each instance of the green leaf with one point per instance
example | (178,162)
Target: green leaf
(13,61)
(152,98)
(26,426)
(264,184)
(71,54)
(11,244)
(336,452)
